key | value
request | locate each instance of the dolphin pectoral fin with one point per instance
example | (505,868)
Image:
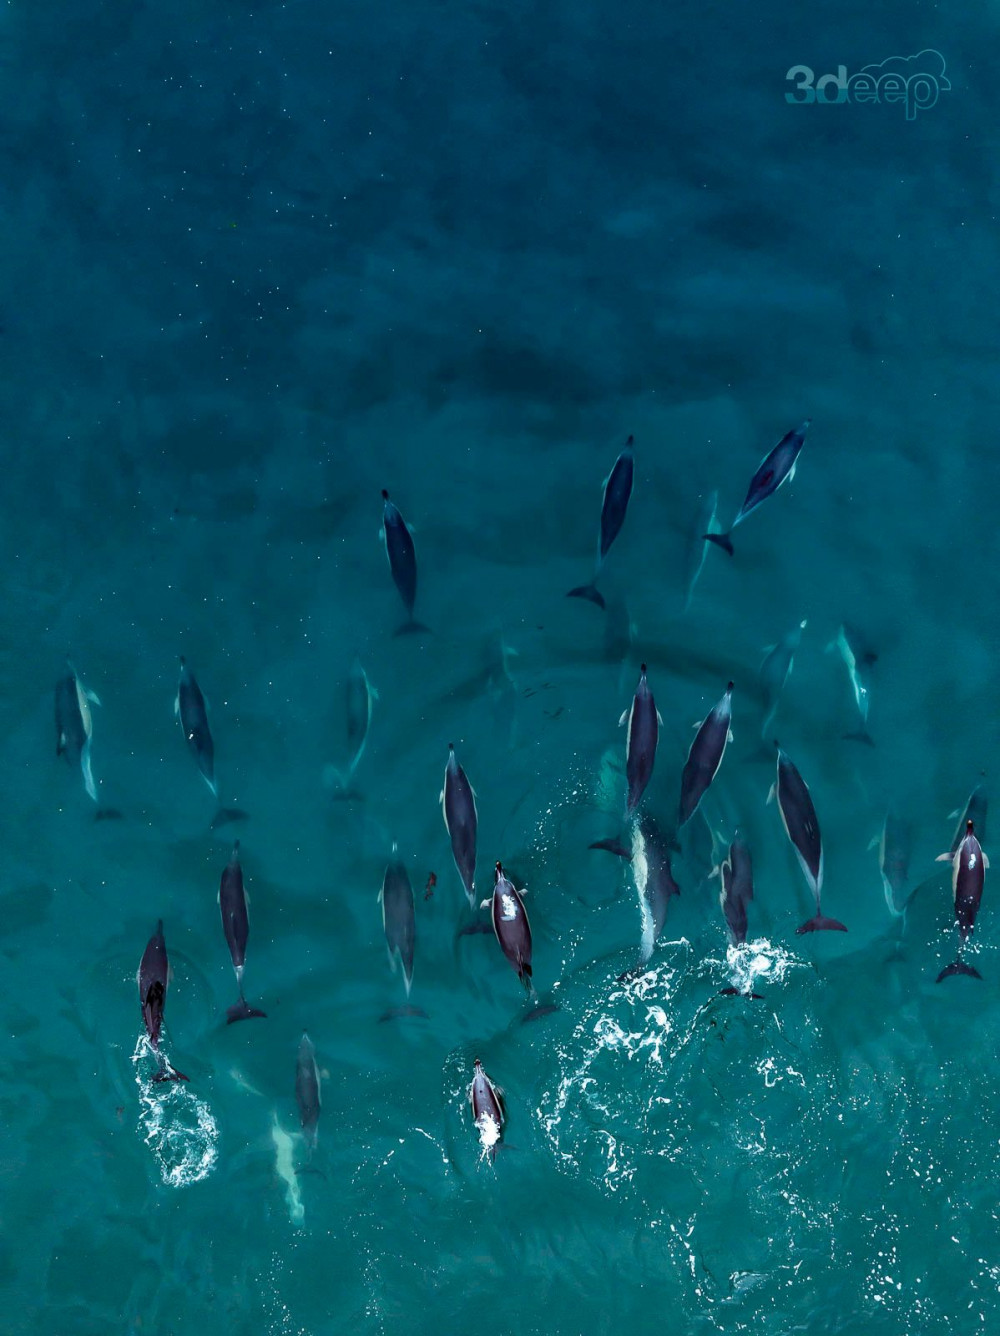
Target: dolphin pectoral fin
(227,814)
(772,793)
(177,705)
(412,628)
(92,696)
(986,860)
(720,540)
(589,592)
(613,846)
(943,858)
(622,720)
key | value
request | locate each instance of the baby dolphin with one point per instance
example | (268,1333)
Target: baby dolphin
(458,803)
(736,891)
(236,926)
(402,561)
(74,725)
(487,1110)
(640,745)
(617,490)
(398,920)
(705,756)
(967,879)
(775,671)
(361,696)
(773,470)
(510,923)
(307,1091)
(857,661)
(894,846)
(802,827)
(152,977)
(695,557)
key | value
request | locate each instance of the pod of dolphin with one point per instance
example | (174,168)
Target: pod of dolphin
(642,842)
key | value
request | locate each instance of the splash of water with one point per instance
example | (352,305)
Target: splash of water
(178,1127)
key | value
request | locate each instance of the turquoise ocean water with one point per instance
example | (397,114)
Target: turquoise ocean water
(261,261)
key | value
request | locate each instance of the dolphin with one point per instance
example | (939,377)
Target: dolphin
(360,700)
(510,923)
(398,920)
(894,845)
(654,880)
(617,490)
(75,725)
(640,745)
(975,811)
(487,1110)
(307,1091)
(192,711)
(736,889)
(775,671)
(799,818)
(697,545)
(458,804)
(705,756)
(857,660)
(773,470)
(152,978)
(402,561)
(236,926)
(968,877)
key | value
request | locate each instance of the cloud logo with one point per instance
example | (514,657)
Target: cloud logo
(927,62)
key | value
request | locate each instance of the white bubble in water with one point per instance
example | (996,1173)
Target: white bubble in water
(178,1127)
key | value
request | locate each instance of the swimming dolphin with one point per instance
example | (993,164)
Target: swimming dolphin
(801,824)
(736,889)
(697,545)
(894,846)
(617,490)
(967,879)
(510,923)
(458,804)
(654,880)
(640,744)
(857,660)
(236,926)
(152,978)
(307,1091)
(487,1110)
(192,711)
(402,561)
(705,756)
(360,700)
(774,469)
(74,725)
(398,919)
(775,671)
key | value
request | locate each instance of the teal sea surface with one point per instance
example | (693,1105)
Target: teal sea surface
(262,261)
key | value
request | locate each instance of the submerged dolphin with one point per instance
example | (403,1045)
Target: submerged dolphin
(307,1091)
(857,660)
(654,880)
(398,919)
(697,545)
(801,824)
(773,470)
(236,926)
(705,756)
(402,561)
(360,700)
(617,490)
(458,804)
(640,744)
(510,923)
(75,726)
(775,671)
(894,845)
(152,978)
(192,712)
(736,889)
(968,876)
(487,1110)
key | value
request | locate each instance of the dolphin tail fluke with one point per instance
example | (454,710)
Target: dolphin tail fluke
(820,923)
(412,627)
(720,540)
(612,846)
(862,735)
(168,1073)
(397,1013)
(589,592)
(738,992)
(226,814)
(243,1011)
(108,814)
(958,967)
